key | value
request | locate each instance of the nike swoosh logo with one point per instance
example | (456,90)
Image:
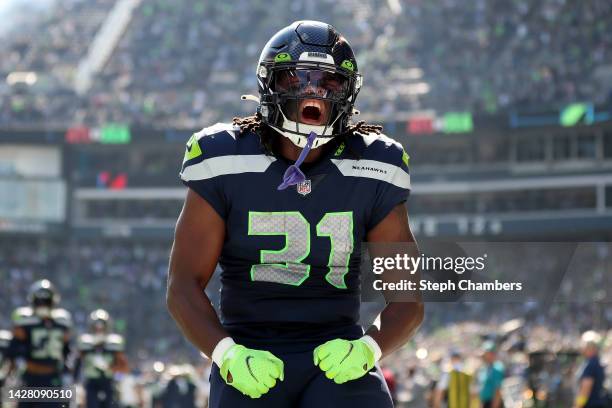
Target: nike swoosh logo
(248,364)
(347,354)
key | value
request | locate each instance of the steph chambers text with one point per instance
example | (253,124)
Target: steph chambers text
(446,286)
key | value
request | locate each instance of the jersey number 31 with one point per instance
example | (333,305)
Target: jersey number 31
(285,265)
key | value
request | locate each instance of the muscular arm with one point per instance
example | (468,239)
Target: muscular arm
(399,320)
(198,240)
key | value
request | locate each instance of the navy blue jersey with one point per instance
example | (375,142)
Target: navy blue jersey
(290,261)
(180,391)
(593,369)
(97,355)
(43,341)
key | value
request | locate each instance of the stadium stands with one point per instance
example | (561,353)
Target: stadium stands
(181,63)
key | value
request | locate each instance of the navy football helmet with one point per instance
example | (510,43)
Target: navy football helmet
(307,60)
(99,321)
(42,293)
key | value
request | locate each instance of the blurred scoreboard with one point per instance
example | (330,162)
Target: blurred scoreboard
(33,193)
(33,200)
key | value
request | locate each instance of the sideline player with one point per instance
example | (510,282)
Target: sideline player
(41,336)
(100,357)
(283,201)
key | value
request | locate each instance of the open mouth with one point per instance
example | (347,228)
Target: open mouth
(312,112)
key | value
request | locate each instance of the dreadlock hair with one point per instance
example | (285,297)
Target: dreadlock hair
(248,123)
(254,123)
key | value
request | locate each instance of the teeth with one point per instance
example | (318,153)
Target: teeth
(313,104)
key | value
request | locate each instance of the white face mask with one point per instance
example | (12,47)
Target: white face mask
(42,311)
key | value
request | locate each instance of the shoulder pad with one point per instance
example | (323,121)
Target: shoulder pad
(5,338)
(62,316)
(85,342)
(221,150)
(216,140)
(23,316)
(383,147)
(216,129)
(379,158)
(114,342)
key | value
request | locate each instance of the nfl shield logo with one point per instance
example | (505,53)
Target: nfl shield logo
(304,187)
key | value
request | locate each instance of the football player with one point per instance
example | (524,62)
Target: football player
(179,388)
(283,201)
(41,336)
(100,357)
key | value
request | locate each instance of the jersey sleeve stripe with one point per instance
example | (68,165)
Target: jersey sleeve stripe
(224,165)
(375,170)
(401,179)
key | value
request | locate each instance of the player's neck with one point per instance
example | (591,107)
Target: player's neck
(291,152)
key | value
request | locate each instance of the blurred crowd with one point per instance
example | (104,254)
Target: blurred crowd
(465,364)
(126,278)
(49,44)
(490,55)
(180,63)
(537,343)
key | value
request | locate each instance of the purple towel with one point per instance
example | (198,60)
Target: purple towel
(293,175)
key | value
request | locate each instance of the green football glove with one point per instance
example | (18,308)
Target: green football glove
(252,372)
(344,360)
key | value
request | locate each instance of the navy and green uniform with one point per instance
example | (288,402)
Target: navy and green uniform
(290,261)
(180,391)
(5,342)
(45,343)
(97,356)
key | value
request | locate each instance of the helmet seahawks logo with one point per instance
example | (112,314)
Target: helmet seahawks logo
(282,57)
(347,65)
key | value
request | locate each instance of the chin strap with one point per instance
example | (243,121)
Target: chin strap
(293,175)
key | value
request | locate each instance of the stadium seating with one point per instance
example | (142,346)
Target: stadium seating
(180,63)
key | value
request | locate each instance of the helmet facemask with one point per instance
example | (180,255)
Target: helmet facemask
(42,308)
(300,98)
